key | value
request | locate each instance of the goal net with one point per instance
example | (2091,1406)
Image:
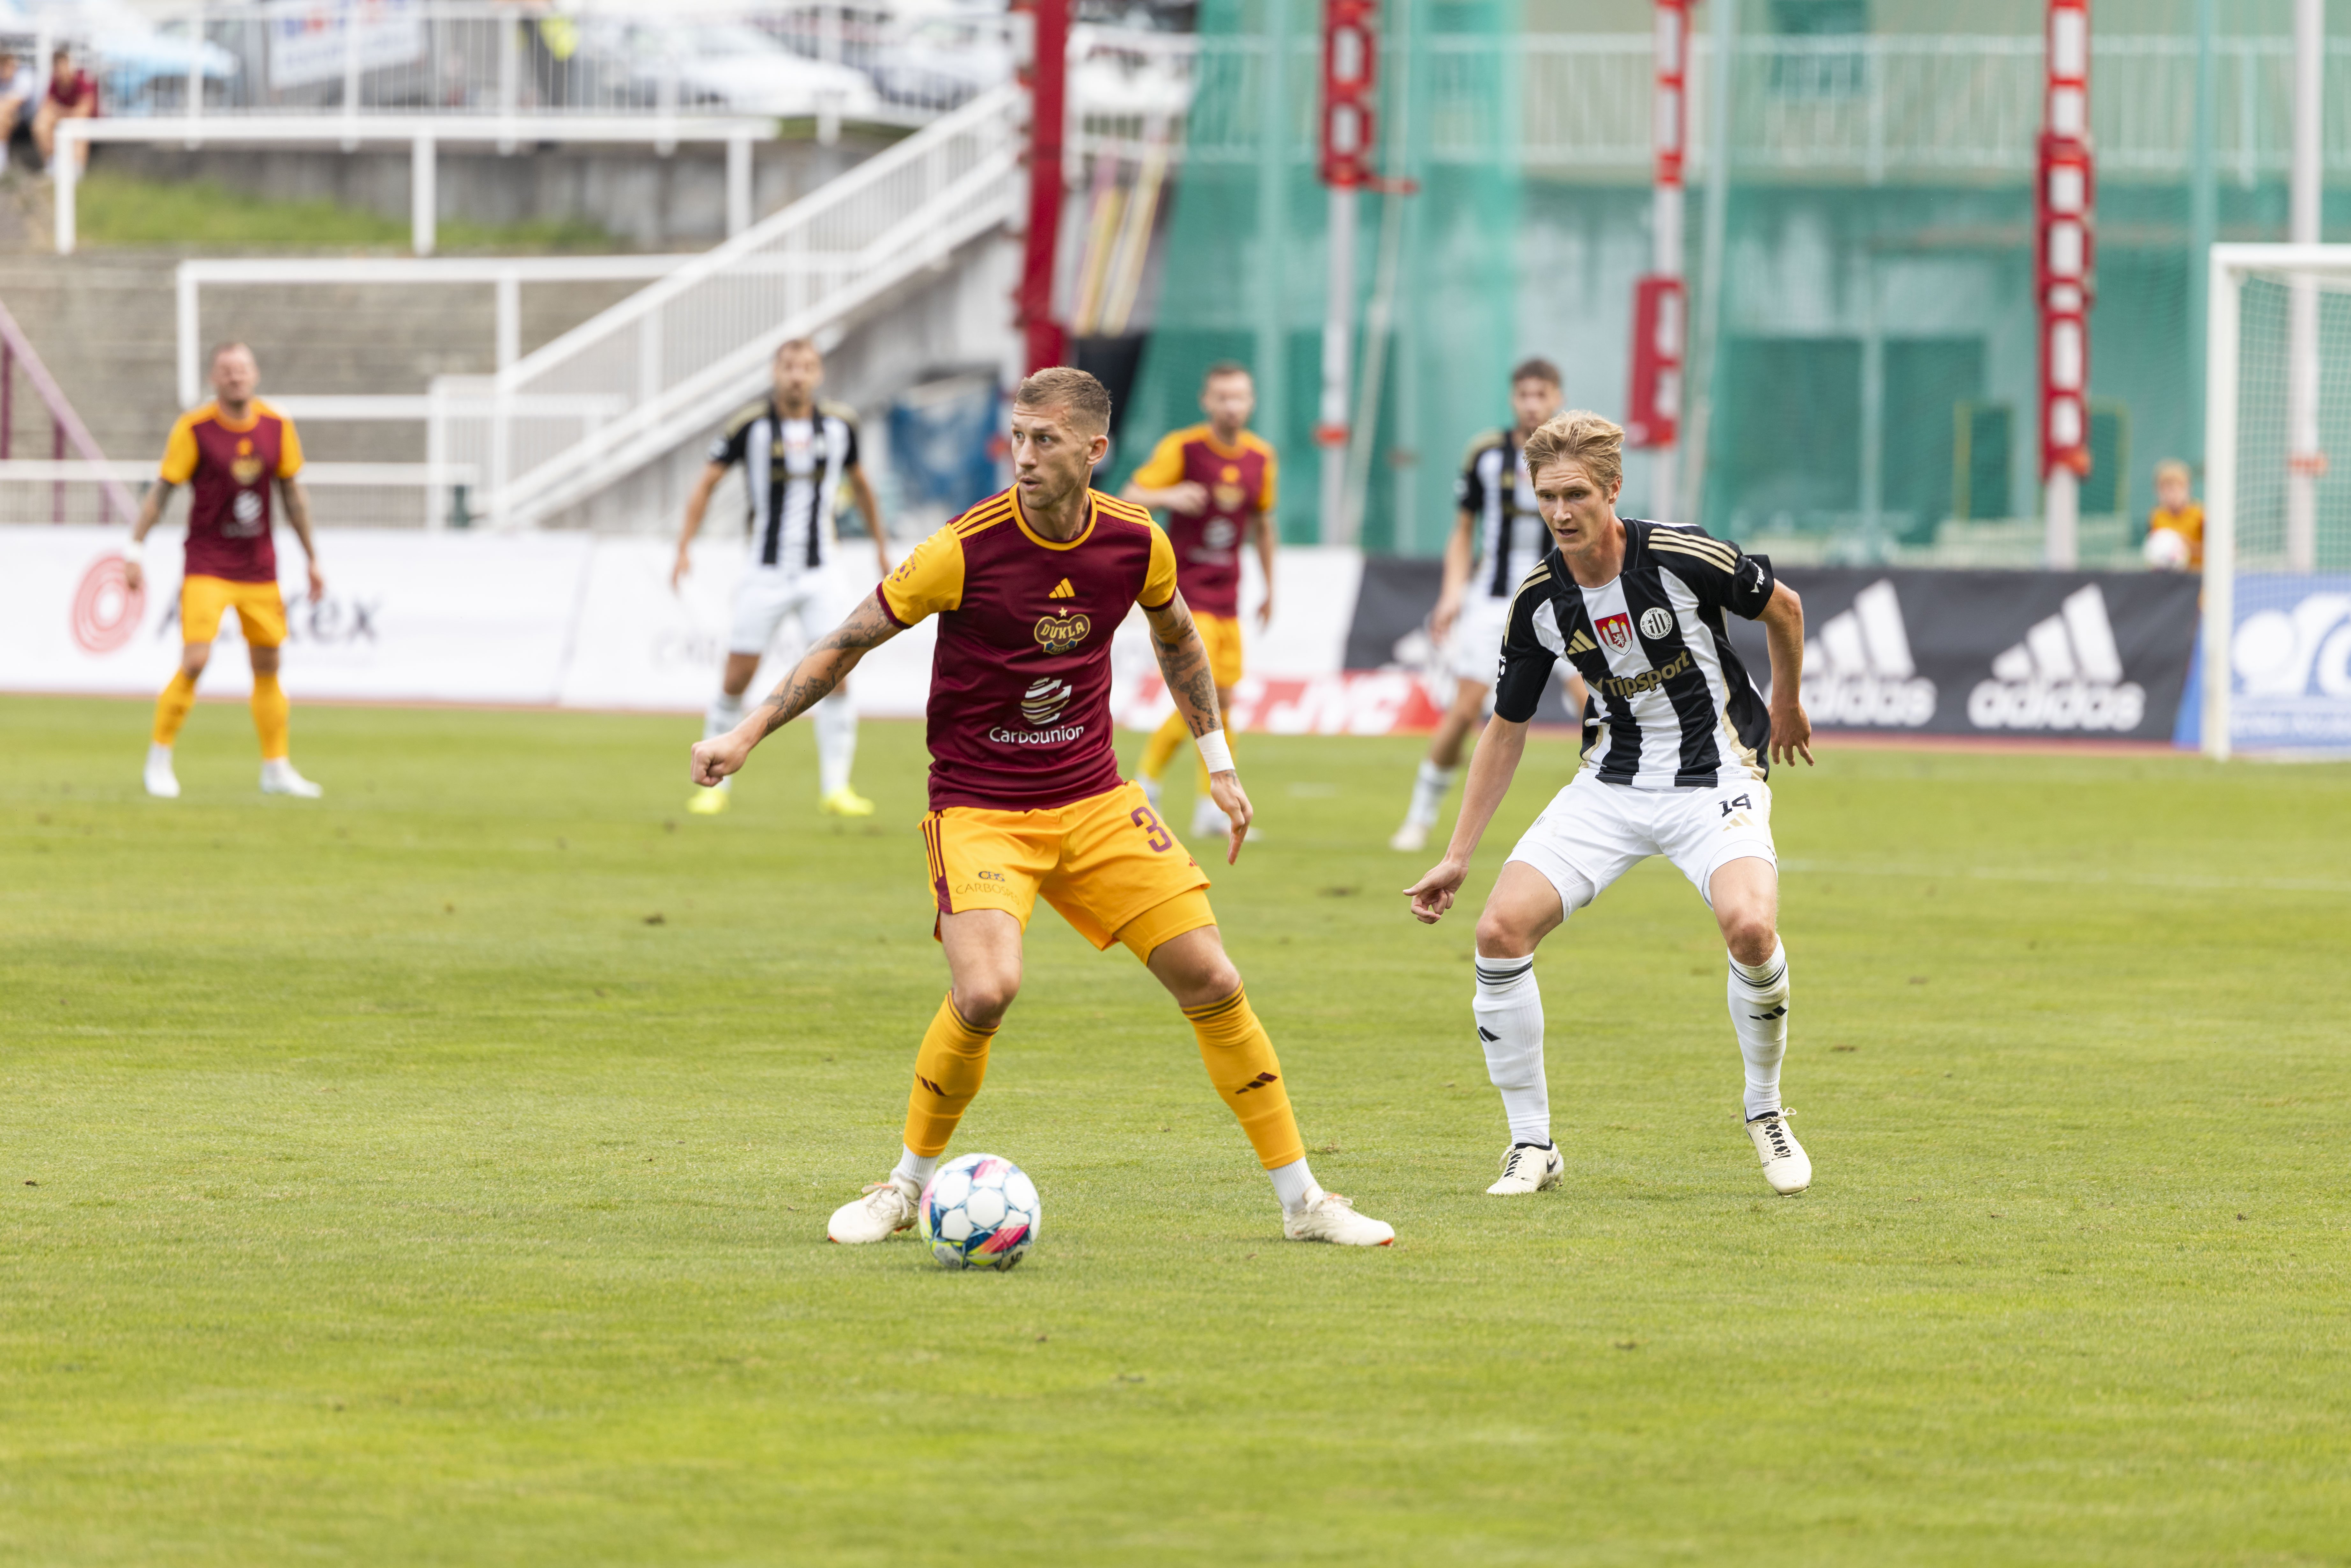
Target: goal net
(2276,646)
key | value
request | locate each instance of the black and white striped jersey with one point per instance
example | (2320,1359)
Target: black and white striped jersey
(1671,706)
(1494,488)
(791,476)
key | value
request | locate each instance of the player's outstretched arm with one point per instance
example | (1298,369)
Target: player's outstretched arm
(298,516)
(1183,664)
(1460,555)
(1495,763)
(862,488)
(697,502)
(825,666)
(151,511)
(1784,630)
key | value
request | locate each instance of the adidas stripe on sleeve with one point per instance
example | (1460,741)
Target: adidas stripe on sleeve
(1531,647)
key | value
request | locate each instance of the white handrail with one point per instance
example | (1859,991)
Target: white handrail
(696,340)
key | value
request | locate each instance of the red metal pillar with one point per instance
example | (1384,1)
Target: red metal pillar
(2065,204)
(1653,403)
(1045,74)
(1349,81)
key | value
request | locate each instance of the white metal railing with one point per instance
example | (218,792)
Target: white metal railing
(625,387)
(505,275)
(343,495)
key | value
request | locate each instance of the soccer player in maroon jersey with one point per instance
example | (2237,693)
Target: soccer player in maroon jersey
(1028,587)
(1215,483)
(233,450)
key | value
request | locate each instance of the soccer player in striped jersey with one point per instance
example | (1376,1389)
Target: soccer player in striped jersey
(1026,799)
(232,453)
(795,452)
(1498,536)
(1677,747)
(1216,482)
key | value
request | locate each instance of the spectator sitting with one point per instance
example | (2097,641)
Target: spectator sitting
(2175,529)
(72,95)
(19,88)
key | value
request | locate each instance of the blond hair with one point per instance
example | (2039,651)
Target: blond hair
(2172,467)
(1085,400)
(1580,436)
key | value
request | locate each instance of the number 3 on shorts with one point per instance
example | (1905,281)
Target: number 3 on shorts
(1161,839)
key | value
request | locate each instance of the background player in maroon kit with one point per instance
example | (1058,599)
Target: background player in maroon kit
(1216,484)
(233,450)
(1026,799)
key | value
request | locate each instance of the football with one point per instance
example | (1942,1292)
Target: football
(980,1211)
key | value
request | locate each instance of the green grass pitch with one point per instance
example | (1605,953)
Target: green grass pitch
(436,1174)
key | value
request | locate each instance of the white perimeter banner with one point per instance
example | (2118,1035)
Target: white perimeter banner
(574,621)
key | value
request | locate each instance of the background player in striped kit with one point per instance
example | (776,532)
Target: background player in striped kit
(1675,756)
(1216,482)
(1028,587)
(795,453)
(1498,536)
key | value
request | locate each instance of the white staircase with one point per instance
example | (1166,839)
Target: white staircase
(630,386)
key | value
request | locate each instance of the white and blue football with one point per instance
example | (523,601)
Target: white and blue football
(980,1211)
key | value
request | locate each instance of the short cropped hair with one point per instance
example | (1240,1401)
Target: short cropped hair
(1223,367)
(230,346)
(789,344)
(1060,386)
(1580,436)
(2172,467)
(1535,370)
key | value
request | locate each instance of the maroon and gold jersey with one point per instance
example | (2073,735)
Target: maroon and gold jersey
(232,468)
(1019,709)
(1240,480)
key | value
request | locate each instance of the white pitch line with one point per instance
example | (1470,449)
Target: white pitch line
(2022,873)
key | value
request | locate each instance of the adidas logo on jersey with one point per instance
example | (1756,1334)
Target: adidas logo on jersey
(2065,674)
(1063,590)
(1858,671)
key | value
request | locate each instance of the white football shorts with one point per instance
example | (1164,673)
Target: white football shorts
(1475,653)
(766,595)
(1592,833)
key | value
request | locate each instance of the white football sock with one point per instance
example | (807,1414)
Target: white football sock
(1294,1184)
(725,714)
(836,741)
(1429,791)
(1759,1011)
(1509,1010)
(914,1168)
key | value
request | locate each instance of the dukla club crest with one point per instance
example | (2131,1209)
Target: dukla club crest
(1063,630)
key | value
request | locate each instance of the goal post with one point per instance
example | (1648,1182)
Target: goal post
(2278,331)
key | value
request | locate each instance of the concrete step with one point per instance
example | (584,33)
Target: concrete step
(106,326)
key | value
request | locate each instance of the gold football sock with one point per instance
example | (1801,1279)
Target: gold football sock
(171,707)
(1160,749)
(947,1073)
(269,716)
(1241,1065)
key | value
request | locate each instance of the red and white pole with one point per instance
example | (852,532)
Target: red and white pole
(2065,204)
(1653,406)
(1044,72)
(1350,72)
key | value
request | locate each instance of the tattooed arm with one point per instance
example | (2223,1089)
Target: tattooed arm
(1183,661)
(826,665)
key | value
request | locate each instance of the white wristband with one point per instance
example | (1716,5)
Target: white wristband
(1216,752)
(134,550)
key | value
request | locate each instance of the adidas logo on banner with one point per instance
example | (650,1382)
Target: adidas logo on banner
(1858,671)
(2065,674)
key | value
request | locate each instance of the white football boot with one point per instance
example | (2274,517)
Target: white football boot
(1332,1219)
(1412,838)
(161,782)
(1207,818)
(1785,1165)
(887,1208)
(1526,1168)
(278,778)
(1151,792)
